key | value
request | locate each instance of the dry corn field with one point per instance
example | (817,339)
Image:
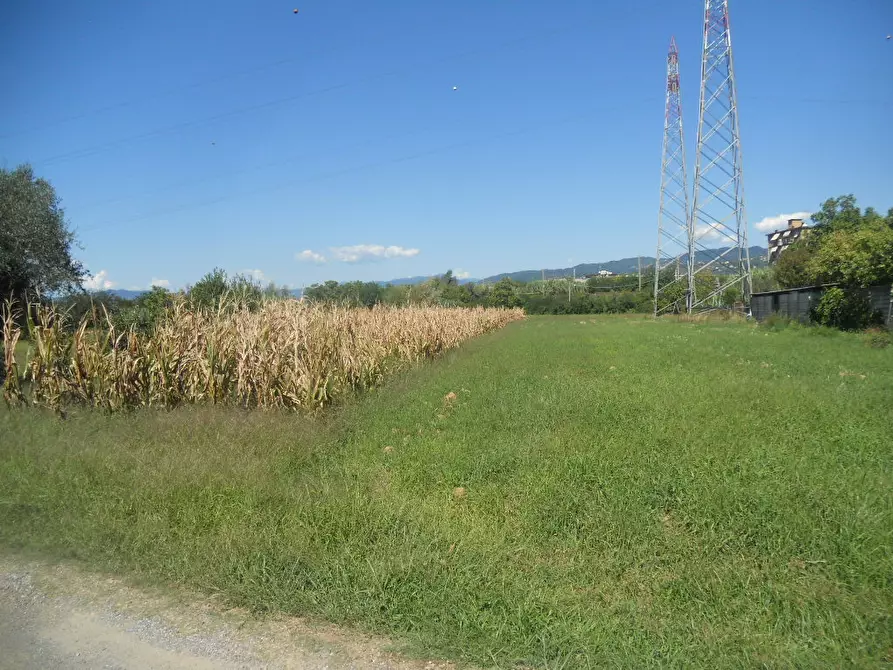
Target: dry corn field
(285,354)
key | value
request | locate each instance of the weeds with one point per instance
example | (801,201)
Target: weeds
(878,338)
(712,316)
(778,322)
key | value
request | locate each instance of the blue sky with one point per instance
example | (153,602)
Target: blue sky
(187,135)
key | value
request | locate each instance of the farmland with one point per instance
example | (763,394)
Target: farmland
(562,492)
(281,354)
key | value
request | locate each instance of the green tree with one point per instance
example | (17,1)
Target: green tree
(353,293)
(838,214)
(272,291)
(764,279)
(731,296)
(504,294)
(147,310)
(395,295)
(846,246)
(854,257)
(452,294)
(791,268)
(359,294)
(326,292)
(207,291)
(35,240)
(847,310)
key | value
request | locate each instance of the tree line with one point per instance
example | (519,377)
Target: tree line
(846,246)
(595,295)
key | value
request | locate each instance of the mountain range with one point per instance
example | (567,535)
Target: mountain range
(126,294)
(621,266)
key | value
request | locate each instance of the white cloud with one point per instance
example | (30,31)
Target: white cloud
(370,252)
(163,283)
(256,275)
(461,274)
(357,253)
(310,256)
(99,282)
(772,223)
(708,231)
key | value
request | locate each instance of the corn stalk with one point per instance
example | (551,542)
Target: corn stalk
(285,354)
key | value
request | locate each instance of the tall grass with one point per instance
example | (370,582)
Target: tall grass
(284,354)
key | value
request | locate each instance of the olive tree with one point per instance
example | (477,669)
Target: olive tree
(35,239)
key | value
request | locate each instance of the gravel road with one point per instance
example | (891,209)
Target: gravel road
(58,617)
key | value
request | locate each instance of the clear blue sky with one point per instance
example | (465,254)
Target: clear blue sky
(187,135)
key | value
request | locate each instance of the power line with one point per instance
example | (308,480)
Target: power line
(363,167)
(817,101)
(164,93)
(99,148)
(170,91)
(253,168)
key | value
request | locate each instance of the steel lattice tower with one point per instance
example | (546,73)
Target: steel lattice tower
(673,235)
(718,225)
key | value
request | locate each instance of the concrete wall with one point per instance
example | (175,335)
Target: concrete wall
(796,303)
(880,300)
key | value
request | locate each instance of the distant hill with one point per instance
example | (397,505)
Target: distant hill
(126,294)
(400,281)
(411,281)
(405,281)
(621,266)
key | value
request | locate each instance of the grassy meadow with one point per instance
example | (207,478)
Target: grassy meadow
(565,492)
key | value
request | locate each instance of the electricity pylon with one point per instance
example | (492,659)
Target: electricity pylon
(673,234)
(718,225)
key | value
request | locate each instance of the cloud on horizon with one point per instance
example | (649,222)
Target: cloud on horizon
(256,275)
(772,223)
(310,256)
(461,274)
(163,283)
(358,253)
(99,282)
(709,231)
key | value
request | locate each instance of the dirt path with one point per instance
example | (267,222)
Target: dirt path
(59,617)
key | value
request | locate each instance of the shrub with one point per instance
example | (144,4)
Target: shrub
(778,322)
(846,310)
(146,311)
(218,291)
(209,290)
(878,338)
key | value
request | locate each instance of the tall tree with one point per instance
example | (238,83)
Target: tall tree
(35,240)
(861,257)
(846,246)
(839,213)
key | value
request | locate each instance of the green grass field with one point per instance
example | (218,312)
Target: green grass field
(636,494)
